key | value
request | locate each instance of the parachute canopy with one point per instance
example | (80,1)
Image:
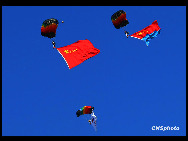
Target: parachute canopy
(148,33)
(85,110)
(49,27)
(119,19)
(78,52)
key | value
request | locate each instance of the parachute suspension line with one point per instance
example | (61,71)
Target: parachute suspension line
(86,117)
(125,32)
(53,39)
(124,28)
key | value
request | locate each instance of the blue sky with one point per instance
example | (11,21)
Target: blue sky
(132,87)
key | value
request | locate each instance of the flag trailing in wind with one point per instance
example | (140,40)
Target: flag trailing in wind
(148,33)
(78,52)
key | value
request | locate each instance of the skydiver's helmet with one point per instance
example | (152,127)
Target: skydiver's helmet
(53,43)
(78,113)
(126,32)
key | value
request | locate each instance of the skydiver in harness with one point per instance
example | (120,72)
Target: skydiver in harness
(53,43)
(93,118)
(126,33)
(93,121)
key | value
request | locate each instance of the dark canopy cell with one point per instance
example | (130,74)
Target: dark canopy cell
(49,27)
(119,19)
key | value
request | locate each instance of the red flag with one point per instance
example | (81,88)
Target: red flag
(147,31)
(78,52)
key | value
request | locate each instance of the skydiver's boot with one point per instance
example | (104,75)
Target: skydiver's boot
(89,122)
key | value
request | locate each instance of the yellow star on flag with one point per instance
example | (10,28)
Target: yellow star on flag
(140,33)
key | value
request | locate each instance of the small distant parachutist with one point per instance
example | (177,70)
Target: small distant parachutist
(62,21)
(126,33)
(119,20)
(53,44)
(88,110)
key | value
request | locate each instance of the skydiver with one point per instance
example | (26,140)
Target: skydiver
(126,33)
(93,118)
(53,44)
